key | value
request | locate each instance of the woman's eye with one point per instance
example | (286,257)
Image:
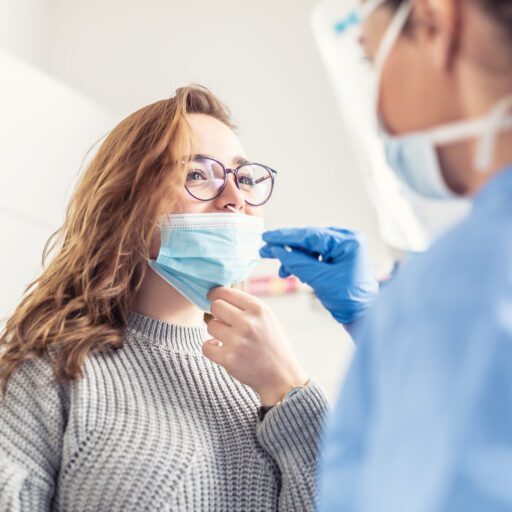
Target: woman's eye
(196,175)
(246,180)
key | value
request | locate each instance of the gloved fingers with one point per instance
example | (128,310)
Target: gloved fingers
(267,252)
(293,237)
(321,241)
(283,273)
(349,233)
(342,243)
(294,261)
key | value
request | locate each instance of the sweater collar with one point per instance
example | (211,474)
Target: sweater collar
(147,329)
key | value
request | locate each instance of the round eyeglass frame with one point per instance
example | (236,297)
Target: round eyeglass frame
(234,172)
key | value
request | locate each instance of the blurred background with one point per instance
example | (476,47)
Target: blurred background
(72,69)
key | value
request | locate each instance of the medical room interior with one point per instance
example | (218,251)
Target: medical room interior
(331,330)
(72,69)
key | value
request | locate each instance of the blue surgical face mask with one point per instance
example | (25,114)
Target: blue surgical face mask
(413,156)
(201,251)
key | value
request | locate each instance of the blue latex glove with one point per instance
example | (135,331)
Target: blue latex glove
(333,261)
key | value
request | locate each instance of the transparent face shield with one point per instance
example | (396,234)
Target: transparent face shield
(370,29)
(338,29)
(406,221)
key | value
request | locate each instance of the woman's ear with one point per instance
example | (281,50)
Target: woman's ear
(437,24)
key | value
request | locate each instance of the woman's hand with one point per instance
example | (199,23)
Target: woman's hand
(254,348)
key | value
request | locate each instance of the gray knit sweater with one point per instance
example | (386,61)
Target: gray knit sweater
(154,426)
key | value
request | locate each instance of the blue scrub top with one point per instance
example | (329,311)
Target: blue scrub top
(424,422)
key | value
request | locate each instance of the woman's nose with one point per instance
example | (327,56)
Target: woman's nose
(231,196)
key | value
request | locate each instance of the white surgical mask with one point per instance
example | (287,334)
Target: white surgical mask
(413,157)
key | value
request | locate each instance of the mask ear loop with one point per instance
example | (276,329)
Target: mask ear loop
(368,8)
(388,41)
(391,36)
(165,228)
(496,121)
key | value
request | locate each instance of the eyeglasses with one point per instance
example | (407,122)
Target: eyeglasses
(206,179)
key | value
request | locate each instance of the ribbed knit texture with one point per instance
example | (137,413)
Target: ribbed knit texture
(154,426)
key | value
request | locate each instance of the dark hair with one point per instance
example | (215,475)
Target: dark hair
(499,10)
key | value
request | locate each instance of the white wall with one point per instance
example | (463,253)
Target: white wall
(24,29)
(45,129)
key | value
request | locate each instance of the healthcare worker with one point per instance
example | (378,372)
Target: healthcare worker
(424,421)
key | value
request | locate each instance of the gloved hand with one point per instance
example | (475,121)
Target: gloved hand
(333,261)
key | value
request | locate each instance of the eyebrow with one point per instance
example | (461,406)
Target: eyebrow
(240,160)
(237,160)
